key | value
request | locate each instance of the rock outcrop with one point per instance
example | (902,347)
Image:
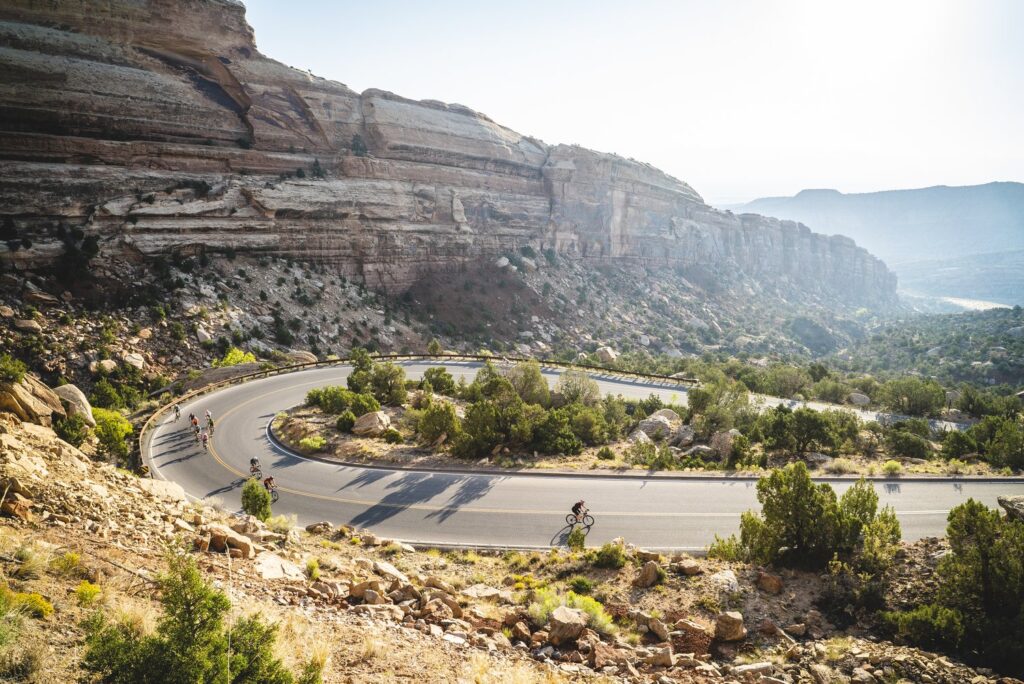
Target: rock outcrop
(158,137)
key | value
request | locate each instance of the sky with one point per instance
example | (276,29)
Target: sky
(740,99)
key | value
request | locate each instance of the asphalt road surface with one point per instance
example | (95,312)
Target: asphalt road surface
(515,509)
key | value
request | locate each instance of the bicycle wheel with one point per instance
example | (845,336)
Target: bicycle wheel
(274,496)
(570,519)
(588,521)
(256,473)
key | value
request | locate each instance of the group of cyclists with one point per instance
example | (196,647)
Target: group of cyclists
(205,435)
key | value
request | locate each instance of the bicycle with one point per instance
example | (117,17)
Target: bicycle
(274,496)
(254,471)
(584,519)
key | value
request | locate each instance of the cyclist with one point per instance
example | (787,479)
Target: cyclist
(209,416)
(177,413)
(209,423)
(579,508)
(269,484)
(205,439)
(195,431)
(254,465)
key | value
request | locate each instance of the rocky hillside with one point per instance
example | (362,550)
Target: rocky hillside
(125,135)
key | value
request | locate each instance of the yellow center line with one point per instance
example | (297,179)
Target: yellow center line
(466,509)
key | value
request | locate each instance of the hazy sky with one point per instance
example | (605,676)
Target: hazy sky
(739,99)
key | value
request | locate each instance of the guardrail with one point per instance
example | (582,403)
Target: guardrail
(280,370)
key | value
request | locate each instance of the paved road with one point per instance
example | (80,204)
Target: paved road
(479,509)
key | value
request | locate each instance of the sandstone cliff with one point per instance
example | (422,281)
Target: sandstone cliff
(160,136)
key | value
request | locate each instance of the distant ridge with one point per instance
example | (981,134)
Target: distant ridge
(903,226)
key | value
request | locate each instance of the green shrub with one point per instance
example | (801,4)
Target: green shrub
(31,604)
(364,403)
(438,419)
(256,499)
(11,369)
(907,444)
(86,592)
(191,642)
(112,430)
(892,468)
(605,453)
(581,585)
(313,569)
(393,436)
(726,549)
(804,523)
(598,618)
(105,395)
(434,348)
(610,556)
(440,380)
(66,564)
(577,539)
(313,443)
(388,383)
(345,421)
(929,626)
(957,443)
(233,357)
(544,601)
(652,456)
(72,429)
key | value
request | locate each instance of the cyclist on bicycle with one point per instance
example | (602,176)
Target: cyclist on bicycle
(205,438)
(254,464)
(209,423)
(579,508)
(195,431)
(177,413)
(269,483)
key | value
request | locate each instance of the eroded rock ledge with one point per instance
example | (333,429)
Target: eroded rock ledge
(165,136)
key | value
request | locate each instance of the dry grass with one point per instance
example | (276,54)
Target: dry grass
(371,648)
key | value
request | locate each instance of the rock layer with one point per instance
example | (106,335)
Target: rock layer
(165,137)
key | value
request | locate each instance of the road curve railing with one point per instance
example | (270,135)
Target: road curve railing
(601,371)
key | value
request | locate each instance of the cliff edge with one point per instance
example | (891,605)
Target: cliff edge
(159,137)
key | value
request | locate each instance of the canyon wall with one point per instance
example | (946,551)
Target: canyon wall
(157,127)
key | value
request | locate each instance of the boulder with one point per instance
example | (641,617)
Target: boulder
(1013,505)
(649,575)
(134,360)
(102,367)
(31,401)
(385,569)
(726,581)
(688,567)
(28,325)
(729,626)
(322,527)
(658,628)
(521,632)
(668,414)
(639,437)
(656,427)
(17,506)
(76,402)
(202,335)
(223,538)
(683,436)
(372,424)
(162,489)
(270,566)
(606,354)
(565,625)
(858,399)
(701,451)
(763,668)
(661,657)
(769,583)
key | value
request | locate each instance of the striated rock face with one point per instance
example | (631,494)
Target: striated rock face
(161,137)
